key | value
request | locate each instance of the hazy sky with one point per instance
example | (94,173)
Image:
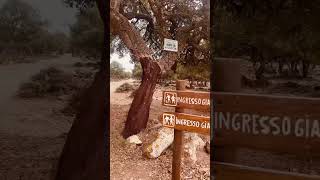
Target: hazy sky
(125,61)
(55,11)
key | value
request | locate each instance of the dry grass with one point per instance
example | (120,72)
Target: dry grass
(126,87)
(48,82)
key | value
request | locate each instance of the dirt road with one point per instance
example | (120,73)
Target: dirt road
(31,133)
(119,98)
(27,117)
(115,84)
(127,161)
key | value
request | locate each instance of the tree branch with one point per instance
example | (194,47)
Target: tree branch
(138,16)
(129,35)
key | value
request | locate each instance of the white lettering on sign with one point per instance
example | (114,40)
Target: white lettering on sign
(196,101)
(172,120)
(205,125)
(186,122)
(267,125)
(170,45)
(191,123)
(170,98)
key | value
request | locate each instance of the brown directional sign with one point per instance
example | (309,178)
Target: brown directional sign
(264,122)
(186,122)
(187,99)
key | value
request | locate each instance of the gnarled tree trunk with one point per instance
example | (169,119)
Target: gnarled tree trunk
(83,155)
(139,111)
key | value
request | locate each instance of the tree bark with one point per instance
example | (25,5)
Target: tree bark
(280,67)
(138,115)
(83,155)
(305,68)
(259,72)
(139,111)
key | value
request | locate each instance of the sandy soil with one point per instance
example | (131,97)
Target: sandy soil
(127,161)
(119,98)
(32,133)
(28,117)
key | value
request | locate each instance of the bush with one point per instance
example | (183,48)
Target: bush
(133,94)
(93,65)
(73,104)
(51,81)
(83,75)
(292,88)
(84,79)
(78,64)
(126,87)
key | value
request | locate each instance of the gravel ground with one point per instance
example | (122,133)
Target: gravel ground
(128,162)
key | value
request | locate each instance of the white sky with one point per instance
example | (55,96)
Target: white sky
(124,61)
(55,11)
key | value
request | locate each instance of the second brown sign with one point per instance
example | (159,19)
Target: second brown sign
(186,122)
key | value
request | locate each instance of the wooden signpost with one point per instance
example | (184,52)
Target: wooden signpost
(180,121)
(273,124)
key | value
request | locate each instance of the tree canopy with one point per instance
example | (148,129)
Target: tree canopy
(142,25)
(117,71)
(266,31)
(87,33)
(19,21)
(185,21)
(23,31)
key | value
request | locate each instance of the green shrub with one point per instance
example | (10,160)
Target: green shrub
(51,81)
(133,93)
(73,105)
(126,87)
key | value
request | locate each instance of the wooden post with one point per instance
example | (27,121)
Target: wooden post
(178,141)
(226,78)
(226,75)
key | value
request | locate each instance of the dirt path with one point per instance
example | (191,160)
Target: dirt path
(119,98)
(31,133)
(27,117)
(127,161)
(115,84)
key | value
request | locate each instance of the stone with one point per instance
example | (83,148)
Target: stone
(192,143)
(163,140)
(134,139)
